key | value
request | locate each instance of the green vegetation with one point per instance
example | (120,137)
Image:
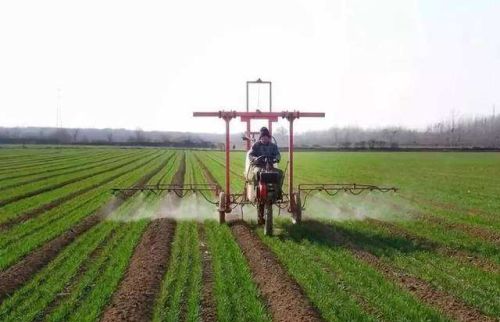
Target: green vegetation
(236,294)
(180,295)
(309,255)
(350,256)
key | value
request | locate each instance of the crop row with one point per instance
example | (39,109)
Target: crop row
(88,271)
(21,186)
(36,162)
(72,190)
(467,283)
(70,167)
(25,236)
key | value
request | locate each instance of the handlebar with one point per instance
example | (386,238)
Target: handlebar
(267,159)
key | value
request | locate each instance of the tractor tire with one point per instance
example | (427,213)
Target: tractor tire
(297,209)
(268,216)
(260,214)
(222,208)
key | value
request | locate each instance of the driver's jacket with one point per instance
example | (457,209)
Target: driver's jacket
(260,149)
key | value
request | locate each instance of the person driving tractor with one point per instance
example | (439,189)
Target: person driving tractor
(260,150)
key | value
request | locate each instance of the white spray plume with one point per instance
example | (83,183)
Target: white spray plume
(345,206)
(107,210)
(191,207)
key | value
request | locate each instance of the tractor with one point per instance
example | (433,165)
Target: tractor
(266,192)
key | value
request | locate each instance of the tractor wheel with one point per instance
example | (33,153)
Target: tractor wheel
(297,209)
(268,226)
(222,207)
(260,214)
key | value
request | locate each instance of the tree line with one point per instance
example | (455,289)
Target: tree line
(454,133)
(463,133)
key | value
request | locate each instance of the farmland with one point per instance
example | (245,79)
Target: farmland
(72,251)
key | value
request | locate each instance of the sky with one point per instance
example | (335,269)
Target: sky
(150,64)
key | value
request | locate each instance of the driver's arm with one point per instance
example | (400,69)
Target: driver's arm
(277,154)
(254,153)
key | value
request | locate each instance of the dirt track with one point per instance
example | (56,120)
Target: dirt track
(285,299)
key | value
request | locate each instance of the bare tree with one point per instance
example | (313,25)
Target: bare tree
(75,134)
(62,136)
(109,135)
(139,135)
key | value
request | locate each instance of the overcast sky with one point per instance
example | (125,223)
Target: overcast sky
(150,64)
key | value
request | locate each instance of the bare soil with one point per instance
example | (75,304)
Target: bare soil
(208,305)
(285,299)
(135,298)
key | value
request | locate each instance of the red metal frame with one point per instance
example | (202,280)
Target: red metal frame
(227,116)
(269,123)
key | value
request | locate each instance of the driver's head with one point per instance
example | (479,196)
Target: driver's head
(265,136)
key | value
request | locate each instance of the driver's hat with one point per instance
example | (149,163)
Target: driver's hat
(264,132)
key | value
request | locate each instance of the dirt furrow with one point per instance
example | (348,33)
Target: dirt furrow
(208,305)
(444,302)
(285,299)
(135,297)
(134,300)
(18,274)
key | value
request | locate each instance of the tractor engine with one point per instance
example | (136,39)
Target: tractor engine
(269,181)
